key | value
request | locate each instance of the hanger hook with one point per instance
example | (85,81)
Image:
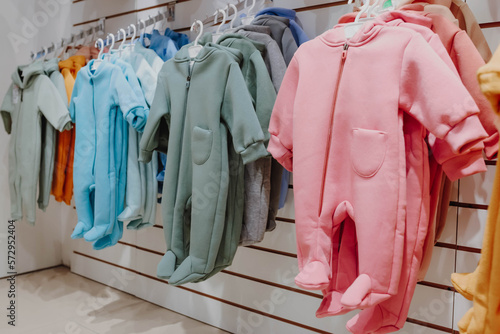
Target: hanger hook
(200,32)
(216,17)
(112,40)
(233,7)
(99,44)
(134,33)
(154,22)
(251,7)
(124,34)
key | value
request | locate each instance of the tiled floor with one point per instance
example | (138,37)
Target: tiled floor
(55,301)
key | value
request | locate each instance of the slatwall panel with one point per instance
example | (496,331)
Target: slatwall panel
(257,293)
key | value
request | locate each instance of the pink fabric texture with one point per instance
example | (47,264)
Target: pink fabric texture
(362,202)
(391,315)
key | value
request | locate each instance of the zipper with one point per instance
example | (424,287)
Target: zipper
(97,128)
(330,129)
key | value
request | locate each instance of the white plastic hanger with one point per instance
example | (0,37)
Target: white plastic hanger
(134,33)
(195,49)
(249,18)
(143,29)
(108,55)
(123,43)
(218,33)
(99,44)
(45,53)
(233,7)
(162,21)
(154,24)
(350,29)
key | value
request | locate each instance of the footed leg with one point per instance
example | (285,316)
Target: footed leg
(166,267)
(84,204)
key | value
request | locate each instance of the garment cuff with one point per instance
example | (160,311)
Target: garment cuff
(283,155)
(464,165)
(145,156)
(491,146)
(254,152)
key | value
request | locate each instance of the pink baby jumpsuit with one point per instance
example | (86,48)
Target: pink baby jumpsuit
(338,125)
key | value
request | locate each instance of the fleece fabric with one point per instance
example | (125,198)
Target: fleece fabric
(151,57)
(62,182)
(203,116)
(276,67)
(109,234)
(467,61)
(49,137)
(280,32)
(374,145)
(273,57)
(489,80)
(142,187)
(258,173)
(179,39)
(163,45)
(101,104)
(391,315)
(144,72)
(30,97)
(465,20)
(480,286)
(298,33)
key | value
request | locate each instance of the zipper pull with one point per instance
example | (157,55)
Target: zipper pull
(344,53)
(188,81)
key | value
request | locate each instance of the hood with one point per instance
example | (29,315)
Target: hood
(208,48)
(446,3)
(406,17)
(392,16)
(89,52)
(283,12)
(24,75)
(74,63)
(263,19)
(336,37)
(231,37)
(254,28)
(50,66)
(206,40)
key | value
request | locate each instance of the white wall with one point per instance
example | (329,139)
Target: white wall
(28,25)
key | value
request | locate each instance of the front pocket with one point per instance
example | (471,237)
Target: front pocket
(368,148)
(201,145)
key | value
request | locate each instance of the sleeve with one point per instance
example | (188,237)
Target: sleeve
(431,93)
(278,65)
(72,101)
(157,123)
(128,100)
(147,78)
(263,93)
(157,64)
(240,118)
(281,125)
(58,81)
(6,110)
(288,45)
(468,61)
(52,105)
